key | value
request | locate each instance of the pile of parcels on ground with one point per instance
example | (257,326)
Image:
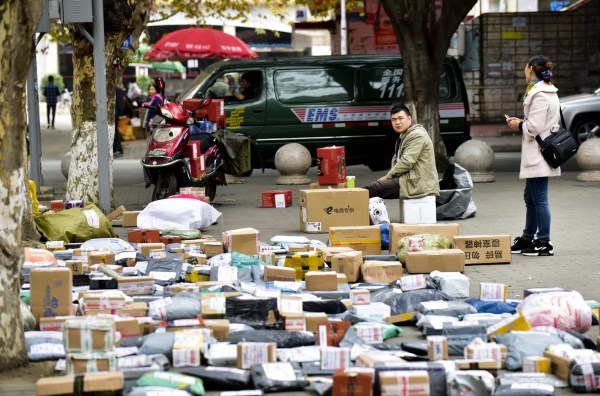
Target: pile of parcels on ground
(178,313)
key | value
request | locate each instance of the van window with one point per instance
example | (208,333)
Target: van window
(314,85)
(387,83)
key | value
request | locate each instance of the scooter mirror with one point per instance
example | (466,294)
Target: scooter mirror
(160,84)
(206,102)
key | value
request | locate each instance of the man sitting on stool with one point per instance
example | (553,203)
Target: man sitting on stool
(413,173)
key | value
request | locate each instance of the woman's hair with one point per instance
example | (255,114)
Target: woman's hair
(542,67)
(153,86)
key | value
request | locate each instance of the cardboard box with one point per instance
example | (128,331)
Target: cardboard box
(249,353)
(401,318)
(242,240)
(291,305)
(426,261)
(366,239)
(484,249)
(399,231)
(213,112)
(295,322)
(130,218)
(193,149)
(111,381)
(143,236)
(167,240)
(304,262)
(77,267)
(516,322)
(371,359)
(487,351)
(277,199)
(314,320)
(360,297)
(128,327)
(145,248)
(115,213)
(376,311)
(213,248)
(381,271)
(559,365)
(334,358)
(316,186)
(55,323)
(89,335)
(437,348)
(213,304)
(418,211)
(284,274)
(349,382)
(136,285)
(51,292)
(321,209)
(342,279)
(413,383)
(536,364)
(139,132)
(492,291)
(101,257)
(88,363)
(321,281)
(331,165)
(330,251)
(472,364)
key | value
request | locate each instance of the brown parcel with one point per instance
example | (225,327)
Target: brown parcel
(321,281)
(101,332)
(348,263)
(381,271)
(399,231)
(426,261)
(413,383)
(51,292)
(284,274)
(559,365)
(321,209)
(330,251)
(115,213)
(314,320)
(102,257)
(78,363)
(92,382)
(366,239)
(241,240)
(245,348)
(145,248)
(130,218)
(484,249)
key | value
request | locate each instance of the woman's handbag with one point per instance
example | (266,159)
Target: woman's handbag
(559,146)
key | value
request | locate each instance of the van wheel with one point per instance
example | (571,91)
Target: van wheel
(382,162)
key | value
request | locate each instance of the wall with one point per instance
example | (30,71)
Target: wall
(499,45)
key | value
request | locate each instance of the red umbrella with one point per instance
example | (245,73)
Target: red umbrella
(195,43)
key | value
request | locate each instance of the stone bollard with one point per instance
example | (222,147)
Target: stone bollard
(65,164)
(477,157)
(293,161)
(588,159)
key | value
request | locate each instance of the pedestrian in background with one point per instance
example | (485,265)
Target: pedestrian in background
(119,112)
(52,93)
(413,173)
(541,108)
(134,92)
(155,100)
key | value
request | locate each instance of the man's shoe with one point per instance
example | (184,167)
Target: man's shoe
(539,249)
(521,243)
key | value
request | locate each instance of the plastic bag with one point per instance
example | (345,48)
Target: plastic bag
(377,211)
(181,306)
(278,377)
(75,225)
(116,245)
(177,213)
(563,310)
(408,301)
(326,306)
(44,345)
(27,317)
(284,339)
(165,271)
(430,242)
(531,389)
(172,380)
(448,308)
(470,383)
(259,313)
(157,343)
(456,195)
(495,307)
(521,344)
(384,230)
(220,378)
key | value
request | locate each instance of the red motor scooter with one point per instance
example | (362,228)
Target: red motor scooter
(182,151)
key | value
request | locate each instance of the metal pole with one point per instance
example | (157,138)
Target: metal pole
(35,141)
(343,35)
(101,109)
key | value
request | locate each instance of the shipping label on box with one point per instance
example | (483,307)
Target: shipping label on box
(369,333)
(413,282)
(290,305)
(360,297)
(399,231)
(333,358)
(484,249)
(437,348)
(492,291)
(295,323)
(277,199)
(331,165)
(321,209)
(366,239)
(427,261)
(249,353)
(242,240)
(136,285)
(381,271)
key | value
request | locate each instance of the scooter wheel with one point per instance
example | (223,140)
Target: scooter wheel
(211,191)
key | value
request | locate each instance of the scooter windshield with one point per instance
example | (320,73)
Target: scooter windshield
(166,134)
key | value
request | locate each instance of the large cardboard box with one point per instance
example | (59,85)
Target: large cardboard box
(484,249)
(321,281)
(331,165)
(366,239)
(242,240)
(348,263)
(102,382)
(284,274)
(426,261)
(321,209)
(399,231)
(413,383)
(51,292)
(381,271)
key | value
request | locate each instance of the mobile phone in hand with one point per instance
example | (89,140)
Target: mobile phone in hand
(506,116)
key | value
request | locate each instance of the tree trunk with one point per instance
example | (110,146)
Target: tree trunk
(424,33)
(18,21)
(121,19)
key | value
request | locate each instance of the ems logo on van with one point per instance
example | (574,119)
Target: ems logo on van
(342,114)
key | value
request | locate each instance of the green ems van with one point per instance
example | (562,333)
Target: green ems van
(325,101)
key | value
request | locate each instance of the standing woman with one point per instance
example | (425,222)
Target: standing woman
(542,116)
(155,100)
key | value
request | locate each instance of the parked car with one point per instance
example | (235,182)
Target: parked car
(582,114)
(325,101)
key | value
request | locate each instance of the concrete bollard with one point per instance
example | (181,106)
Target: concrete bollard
(588,159)
(293,161)
(477,157)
